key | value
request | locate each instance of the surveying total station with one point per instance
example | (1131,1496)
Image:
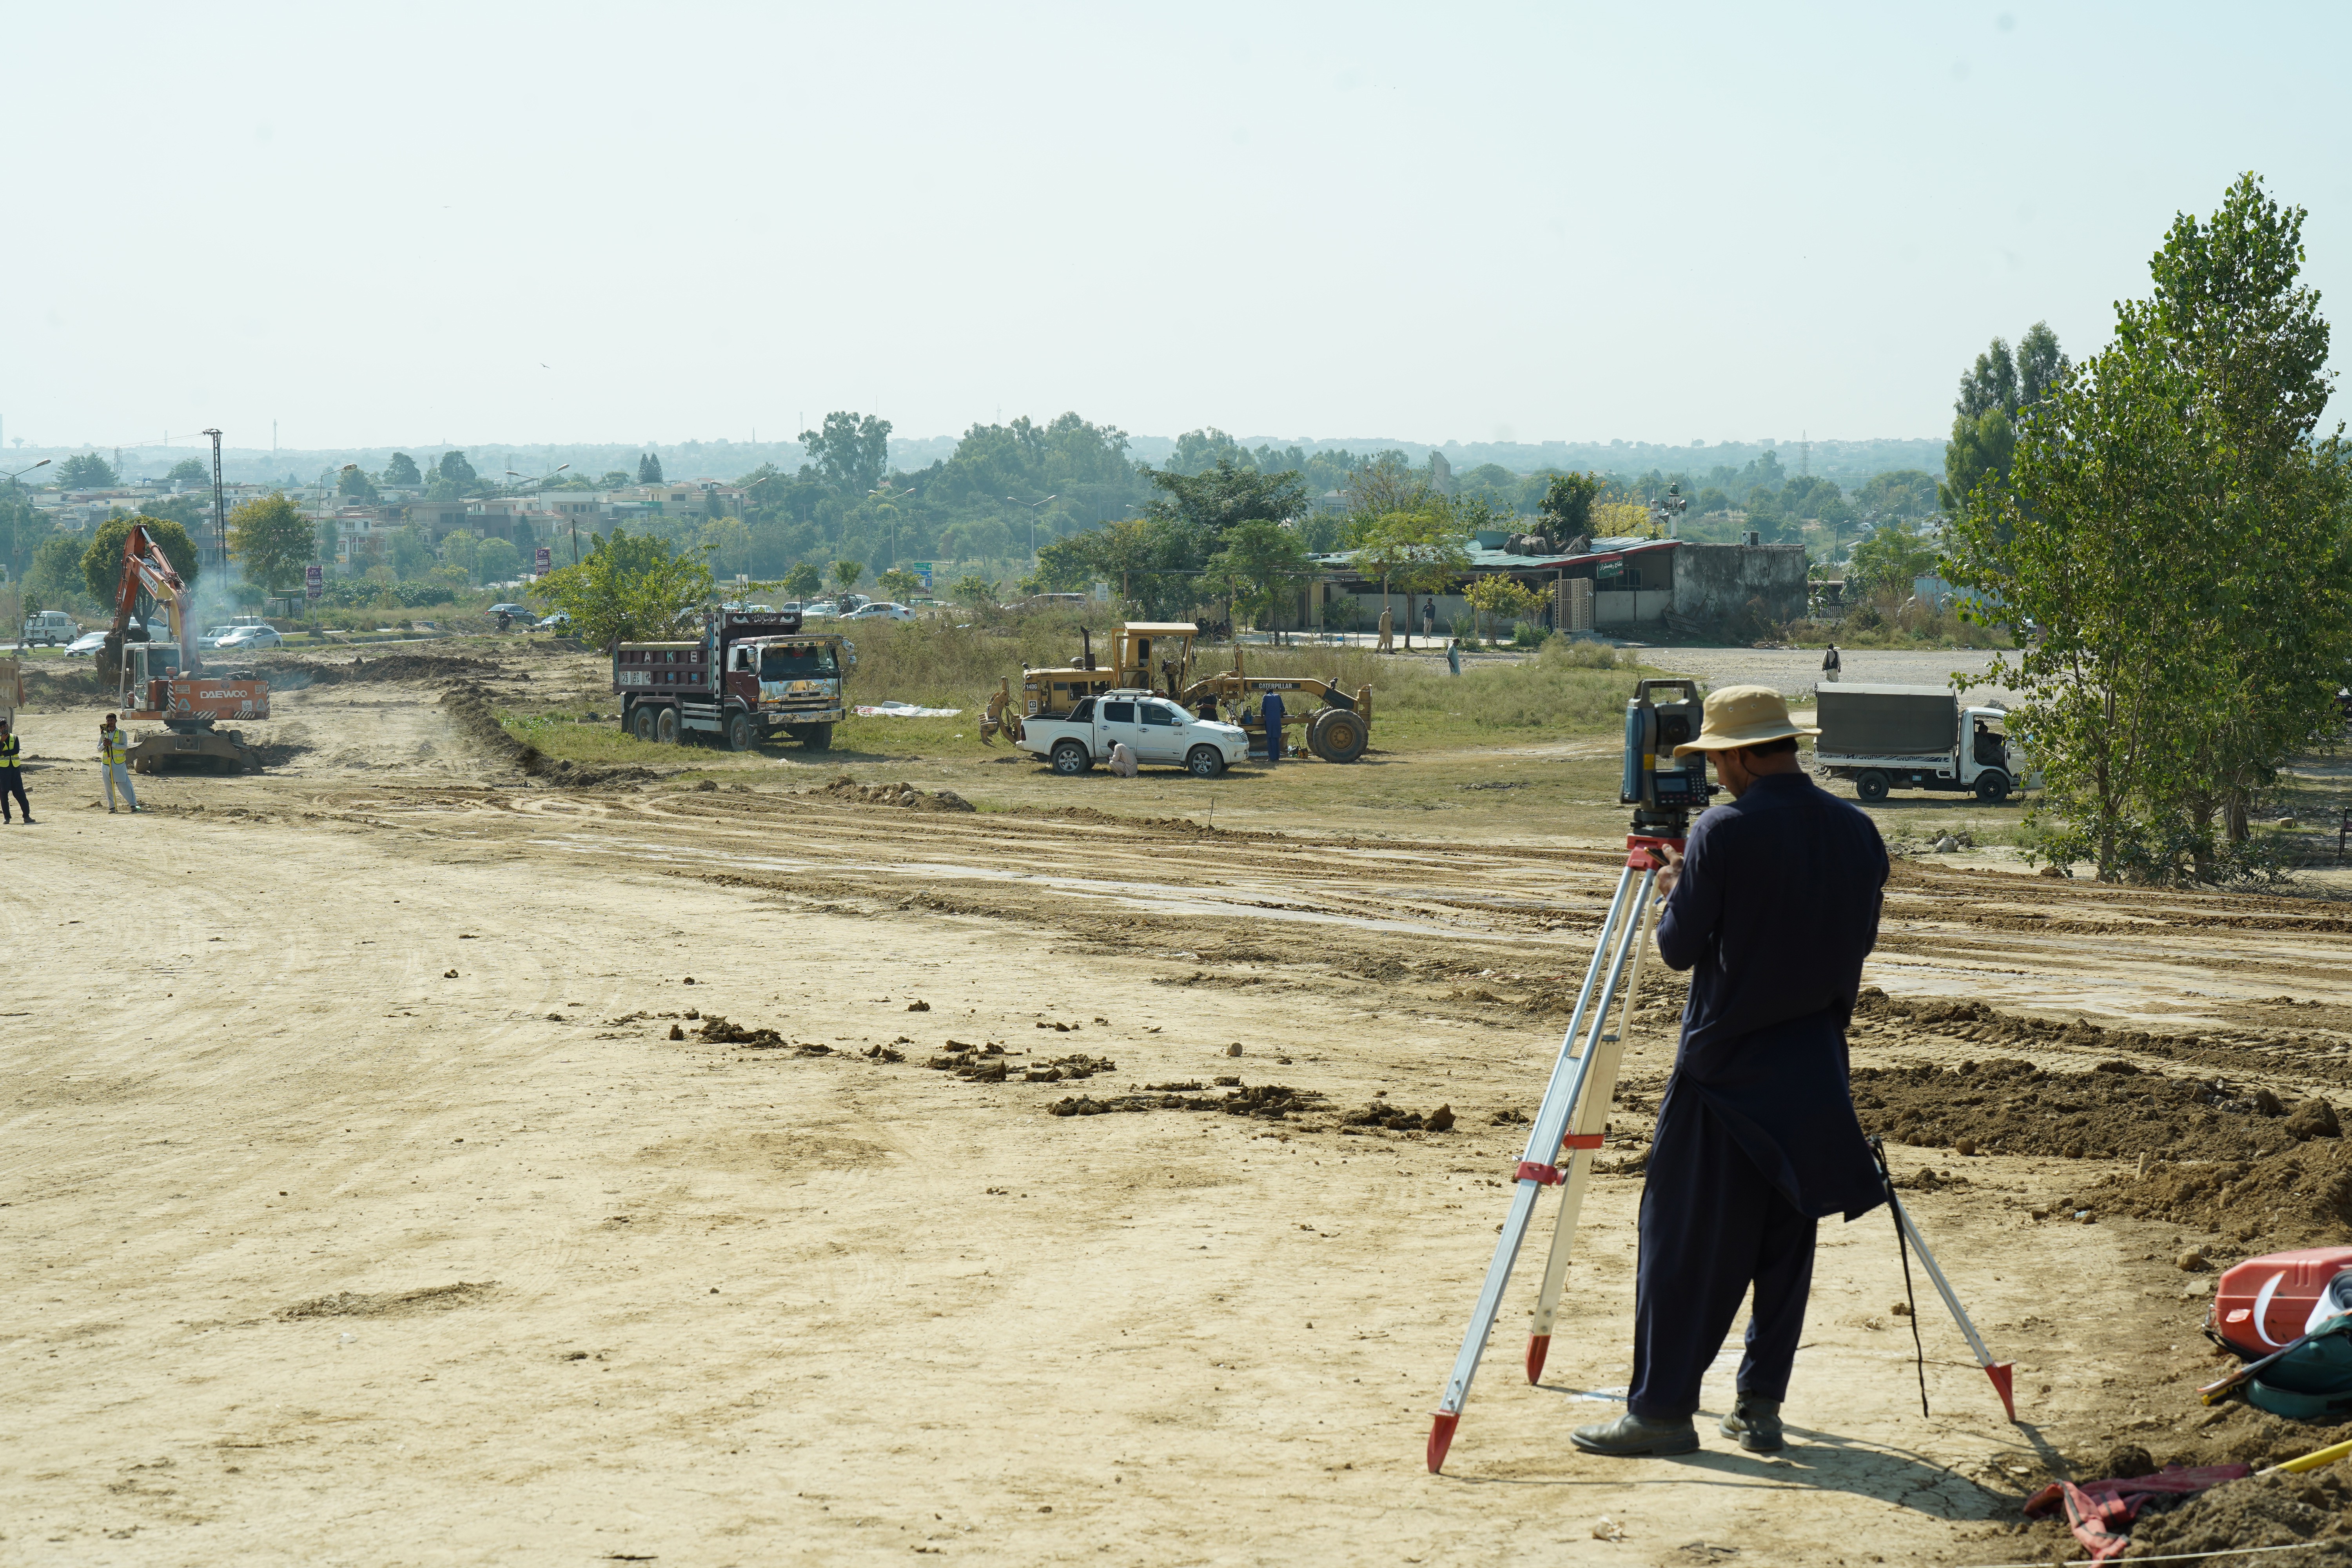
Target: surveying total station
(1664,791)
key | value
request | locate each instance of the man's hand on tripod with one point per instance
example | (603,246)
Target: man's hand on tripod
(1672,872)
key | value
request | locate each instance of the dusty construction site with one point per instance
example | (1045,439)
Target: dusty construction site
(419,1151)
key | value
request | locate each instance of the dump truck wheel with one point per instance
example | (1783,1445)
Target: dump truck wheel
(1070,759)
(641,724)
(815,737)
(1992,787)
(1870,784)
(739,733)
(1204,761)
(1337,735)
(665,727)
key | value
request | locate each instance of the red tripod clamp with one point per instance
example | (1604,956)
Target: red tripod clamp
(1640,851)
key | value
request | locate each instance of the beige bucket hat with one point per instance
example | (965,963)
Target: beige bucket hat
(1740,716)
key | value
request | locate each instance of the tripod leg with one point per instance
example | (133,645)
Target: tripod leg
(1591,1117)
(1568,1073)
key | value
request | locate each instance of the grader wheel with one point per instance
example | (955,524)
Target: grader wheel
(1337,735)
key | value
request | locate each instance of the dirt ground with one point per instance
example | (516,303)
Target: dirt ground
(488,1245)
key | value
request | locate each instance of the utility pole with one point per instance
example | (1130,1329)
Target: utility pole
(220,510)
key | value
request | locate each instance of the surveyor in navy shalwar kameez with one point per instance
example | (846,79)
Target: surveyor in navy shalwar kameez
(1774,909)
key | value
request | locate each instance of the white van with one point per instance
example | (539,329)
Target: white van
(51,628)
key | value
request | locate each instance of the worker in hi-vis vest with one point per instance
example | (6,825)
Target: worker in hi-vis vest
(114,763)
(11,773)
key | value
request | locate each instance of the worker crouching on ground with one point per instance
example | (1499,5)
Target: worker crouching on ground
(114,763)
(12,773)
(1773,906)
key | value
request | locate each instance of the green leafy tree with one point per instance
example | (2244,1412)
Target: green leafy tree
(851,454)
(454,479)
(972,591)
(353,485)
(189,471)
(458,548)
(85,471)
(412,554)
(900,584)
(1995,392)
(24,528)
(649,470)
(803,581)
(1497,598)
(55,575)
(1887,562)
(1210,502)
(2178,538)
(401,470)
(1901,492)
(630,589)
(270,538)
(497,560)
(1066,566)
(1567,504)
(331,540)
(102,563)
(1420,552)
(1260,569)
(614,479)
(846,574)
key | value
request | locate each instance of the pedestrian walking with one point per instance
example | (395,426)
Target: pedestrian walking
(12,773)
(1270,710)
(1429,616)
(1831,665)
(1388,630)
(114,763)
(1454,657)
(1773,906)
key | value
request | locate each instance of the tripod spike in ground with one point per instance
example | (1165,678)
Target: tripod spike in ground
(1441,1437)
(2002,1374)
(1538,1347)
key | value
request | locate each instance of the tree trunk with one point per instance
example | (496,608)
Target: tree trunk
(2233,816)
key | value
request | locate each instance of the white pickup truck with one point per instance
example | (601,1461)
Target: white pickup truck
(1155,729)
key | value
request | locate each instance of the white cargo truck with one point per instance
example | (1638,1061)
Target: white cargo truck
(1914,737)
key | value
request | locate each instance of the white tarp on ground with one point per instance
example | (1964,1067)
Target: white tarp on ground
(904,710)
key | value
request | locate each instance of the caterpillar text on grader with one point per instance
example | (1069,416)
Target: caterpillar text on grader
(166,681)
(1157,656)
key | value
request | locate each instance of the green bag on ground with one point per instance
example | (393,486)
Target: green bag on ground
(2311,1381)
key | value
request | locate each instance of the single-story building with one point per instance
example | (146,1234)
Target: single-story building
(1640,587)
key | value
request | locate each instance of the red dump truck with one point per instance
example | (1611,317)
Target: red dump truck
(751,676)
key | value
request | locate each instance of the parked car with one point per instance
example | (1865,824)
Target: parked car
(519,612)
(557,622)
(246,639)
(880,610)
(86,646)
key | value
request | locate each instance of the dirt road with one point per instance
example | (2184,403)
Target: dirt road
(377,1186)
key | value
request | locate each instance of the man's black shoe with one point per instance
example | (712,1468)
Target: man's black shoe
(1630,1437)
(1755,1423)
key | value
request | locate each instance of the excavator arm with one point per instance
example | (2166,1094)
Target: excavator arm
(145,568)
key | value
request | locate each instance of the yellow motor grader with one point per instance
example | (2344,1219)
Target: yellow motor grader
(1156,657)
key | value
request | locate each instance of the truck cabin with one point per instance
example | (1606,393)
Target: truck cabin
(1988,737)
(785,658)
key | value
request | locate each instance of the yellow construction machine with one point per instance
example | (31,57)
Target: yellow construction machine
(1156,657)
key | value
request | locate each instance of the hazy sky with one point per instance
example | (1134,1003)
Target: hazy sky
(582,222)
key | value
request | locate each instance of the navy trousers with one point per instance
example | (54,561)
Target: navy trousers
(12,782)
(1713,1225)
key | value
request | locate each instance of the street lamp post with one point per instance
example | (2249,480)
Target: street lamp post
(1033,505)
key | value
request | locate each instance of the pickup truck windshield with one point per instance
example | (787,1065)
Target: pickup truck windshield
(801,661)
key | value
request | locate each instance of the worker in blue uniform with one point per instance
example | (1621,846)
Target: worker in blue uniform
(1270,710)
(1772,906)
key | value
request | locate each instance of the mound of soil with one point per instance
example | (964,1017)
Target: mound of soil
(81,684)
(718,1031)
(1269,1102)
(990,1064)
(2113,1111)
(1396,1119)
(392,1304)
(2260,1510)
(424,669)
(470,710)
(2301,1196)
(850,792)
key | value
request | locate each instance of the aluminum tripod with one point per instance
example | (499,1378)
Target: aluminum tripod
(1575,1108)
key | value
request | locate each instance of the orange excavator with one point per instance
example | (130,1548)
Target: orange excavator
(160,679)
